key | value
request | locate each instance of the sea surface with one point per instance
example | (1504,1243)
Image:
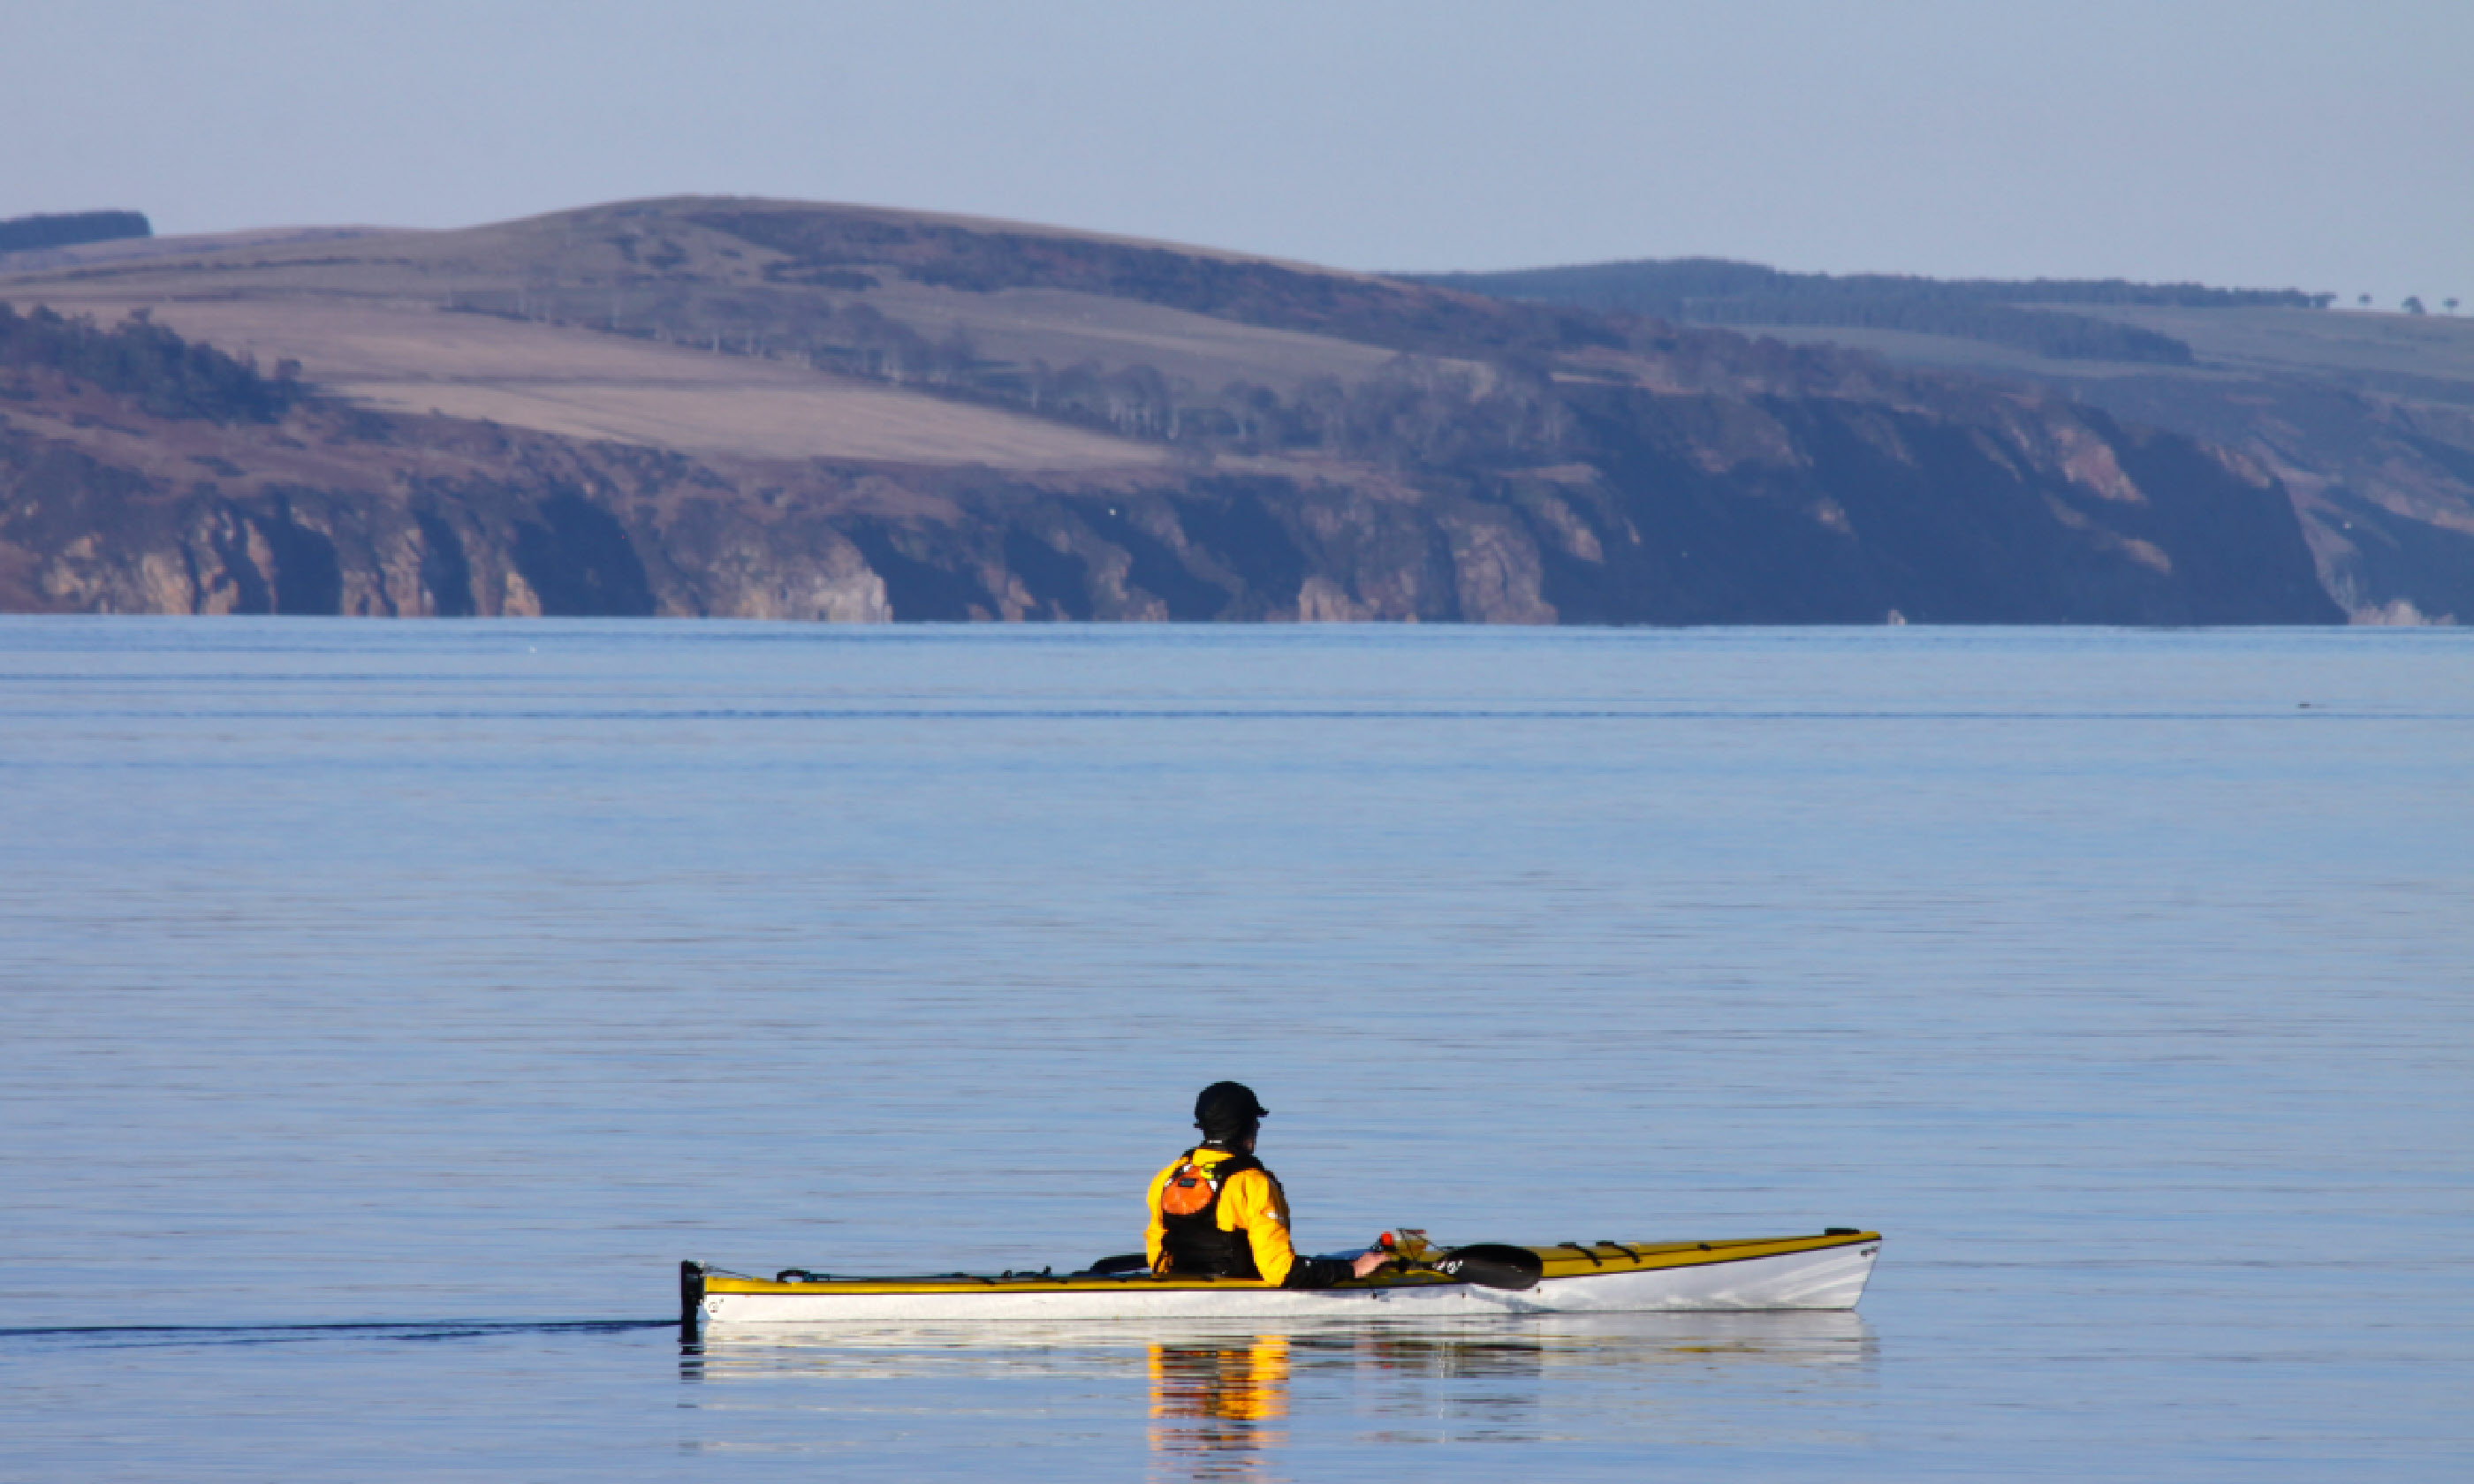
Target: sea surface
(391,1006)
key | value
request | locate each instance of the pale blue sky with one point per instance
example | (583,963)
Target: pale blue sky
(2274,142)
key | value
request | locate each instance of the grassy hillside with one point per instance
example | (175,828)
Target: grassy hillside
(716,406)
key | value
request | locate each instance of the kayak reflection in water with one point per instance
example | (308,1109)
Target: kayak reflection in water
(1215,1399)
(1216,1212)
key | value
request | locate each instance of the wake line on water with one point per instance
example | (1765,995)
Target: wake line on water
(397,1330)
(2314,715)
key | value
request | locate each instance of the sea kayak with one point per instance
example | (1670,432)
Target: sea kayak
(1824,1272)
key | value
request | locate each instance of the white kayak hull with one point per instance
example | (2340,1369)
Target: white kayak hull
(1788,1273)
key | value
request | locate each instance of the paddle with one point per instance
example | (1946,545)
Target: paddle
(1487,1265)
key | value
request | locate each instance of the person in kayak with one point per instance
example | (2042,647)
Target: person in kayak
(1216,1212)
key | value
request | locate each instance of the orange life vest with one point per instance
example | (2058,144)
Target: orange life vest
(1191,1240)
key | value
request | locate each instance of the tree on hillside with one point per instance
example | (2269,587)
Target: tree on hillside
(169,377)
(2414,304)
(2363,300)
(71,229)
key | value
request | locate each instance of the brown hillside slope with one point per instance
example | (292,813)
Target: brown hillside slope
(770,409)
(513,323)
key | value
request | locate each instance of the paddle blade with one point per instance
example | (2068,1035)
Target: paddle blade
(1492,1265)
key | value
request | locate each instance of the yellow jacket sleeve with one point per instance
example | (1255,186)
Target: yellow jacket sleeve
(1158,1231)
(1253,1203)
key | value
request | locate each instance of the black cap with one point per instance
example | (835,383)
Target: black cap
(1226,1108)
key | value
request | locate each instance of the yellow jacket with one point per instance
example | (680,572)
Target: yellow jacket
(1251,1202)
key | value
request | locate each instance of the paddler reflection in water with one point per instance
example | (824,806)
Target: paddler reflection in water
(1219,1399)
(1216,1212)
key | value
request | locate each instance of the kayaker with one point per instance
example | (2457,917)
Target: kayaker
(1216,1212)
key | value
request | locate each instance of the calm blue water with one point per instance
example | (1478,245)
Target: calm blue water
(456,980)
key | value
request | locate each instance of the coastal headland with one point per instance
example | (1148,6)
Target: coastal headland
(753,408)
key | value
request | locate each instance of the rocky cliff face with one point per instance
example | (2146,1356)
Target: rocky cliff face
(399,517)
(1691,512)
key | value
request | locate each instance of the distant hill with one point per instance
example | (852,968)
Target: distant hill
(756,408)
(2367,420)
(1670,287)
(18,234)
